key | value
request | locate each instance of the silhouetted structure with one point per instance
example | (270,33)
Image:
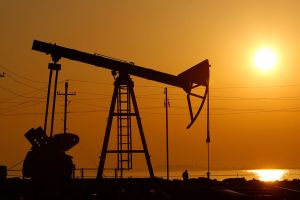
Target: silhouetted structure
(47,160)
(66,94)
(167,104)
(197,76)
(3,172)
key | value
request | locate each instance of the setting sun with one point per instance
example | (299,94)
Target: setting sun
(265,59)
(269,174)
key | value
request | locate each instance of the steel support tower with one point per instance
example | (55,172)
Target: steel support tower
(122,97)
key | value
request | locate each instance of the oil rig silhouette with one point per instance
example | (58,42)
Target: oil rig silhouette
(48,169)
(47,149)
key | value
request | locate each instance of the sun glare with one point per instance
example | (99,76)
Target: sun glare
(265,59)
(269,174)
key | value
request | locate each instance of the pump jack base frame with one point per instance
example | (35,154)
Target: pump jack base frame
(123,79)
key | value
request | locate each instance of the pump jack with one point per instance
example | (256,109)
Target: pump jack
(195,77)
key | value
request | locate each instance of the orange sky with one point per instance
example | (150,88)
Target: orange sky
(255,116)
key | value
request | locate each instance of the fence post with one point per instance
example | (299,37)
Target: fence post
(116,173)
(73,172)
(82,174)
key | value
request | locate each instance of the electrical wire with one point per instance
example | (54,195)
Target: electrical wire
(21,106)
(7,71)
(289,110)
(234,111)
(20,82)
(255,87)
(20,76)
(91,82)
(15,93)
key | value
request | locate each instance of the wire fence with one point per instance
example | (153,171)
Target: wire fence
(91,173)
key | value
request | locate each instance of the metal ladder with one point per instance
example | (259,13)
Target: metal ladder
(124,114)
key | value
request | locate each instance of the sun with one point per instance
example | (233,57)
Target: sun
(265,59)
(270,174)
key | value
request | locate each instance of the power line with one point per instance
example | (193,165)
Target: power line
(217,88)
(17,94)
(256,98)
(20,76)
(161,113)
(24,95)
(20,82)
(107,83)
(150,86)
(91,82)
(213,97)
(218,98)
(88,104)
(148,96)
(96,94)
(109,95)
(20,106)
(255,87)
(235,110)
(89,99)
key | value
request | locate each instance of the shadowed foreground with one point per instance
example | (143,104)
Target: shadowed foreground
(237,188)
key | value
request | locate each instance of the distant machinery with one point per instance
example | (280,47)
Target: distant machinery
(123,97)
(47,160)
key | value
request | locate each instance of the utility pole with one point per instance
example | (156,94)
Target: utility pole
(167,104)
(208,135)
(66,94)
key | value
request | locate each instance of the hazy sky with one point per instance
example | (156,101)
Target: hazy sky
(255,116)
